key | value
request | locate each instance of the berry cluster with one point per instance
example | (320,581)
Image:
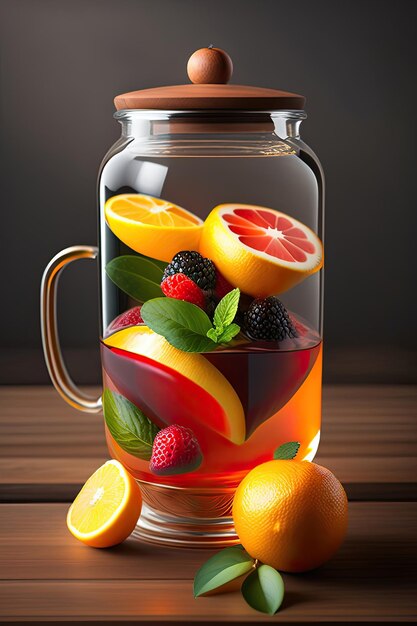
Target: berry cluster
(201,271)
(193,278)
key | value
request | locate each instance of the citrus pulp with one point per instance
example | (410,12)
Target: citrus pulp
(152,226)
(262,251)
(107,508)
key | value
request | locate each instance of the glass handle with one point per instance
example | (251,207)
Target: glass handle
(49,329)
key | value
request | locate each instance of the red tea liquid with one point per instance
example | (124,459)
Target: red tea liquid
(279,388)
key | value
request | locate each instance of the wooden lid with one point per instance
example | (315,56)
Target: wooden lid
(209,68)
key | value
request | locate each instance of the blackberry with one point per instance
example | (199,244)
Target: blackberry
(211,304)
(193,265)
(268,319)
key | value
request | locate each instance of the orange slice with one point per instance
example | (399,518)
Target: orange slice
(107,508)
(143,341)
(262,251)
(152,226)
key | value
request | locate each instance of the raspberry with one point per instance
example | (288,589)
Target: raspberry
(193,265)
(181,287)
(268,319)
(132,317)
(175,451)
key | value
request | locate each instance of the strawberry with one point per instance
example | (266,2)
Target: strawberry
(132,317)
(175,451)
(181,287)
(222,286)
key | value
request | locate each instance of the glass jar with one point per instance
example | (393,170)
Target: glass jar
(216,206)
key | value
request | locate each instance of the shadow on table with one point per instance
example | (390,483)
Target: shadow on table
(359,560)
(367,560)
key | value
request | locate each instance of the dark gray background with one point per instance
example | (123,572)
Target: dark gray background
(63,61)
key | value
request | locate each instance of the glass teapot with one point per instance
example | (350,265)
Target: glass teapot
(210,270)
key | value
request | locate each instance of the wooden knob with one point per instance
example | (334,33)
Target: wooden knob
(210,66)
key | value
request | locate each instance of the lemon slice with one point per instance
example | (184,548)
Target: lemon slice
(152,226)
(107,508)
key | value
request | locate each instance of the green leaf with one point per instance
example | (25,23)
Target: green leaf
(183,324)
(212,334)
(287,451)
(227,335)
(221,568)
(263,590)
(226,309)
(137,276)
(128,426)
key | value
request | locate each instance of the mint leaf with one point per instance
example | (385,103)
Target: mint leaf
(128,426)
(263,590)
(287,451)
(212,334)
(223,336)
(137,276)
(227,335)
(183,324)
(221,568)
(226,309)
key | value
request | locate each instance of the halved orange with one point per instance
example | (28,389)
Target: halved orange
(152,226)
(262,251)
(107,508)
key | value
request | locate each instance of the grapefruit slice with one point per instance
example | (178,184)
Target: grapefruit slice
(162,362)
(152,226)
(262,251)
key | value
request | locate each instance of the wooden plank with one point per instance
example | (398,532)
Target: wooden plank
(59,480)
(36,423)
(369,437)
(46,575)
(171,601)
(35,544)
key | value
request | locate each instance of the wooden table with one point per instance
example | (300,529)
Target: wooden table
(48,450)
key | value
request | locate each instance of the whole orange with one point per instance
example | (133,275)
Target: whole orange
(291,515)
